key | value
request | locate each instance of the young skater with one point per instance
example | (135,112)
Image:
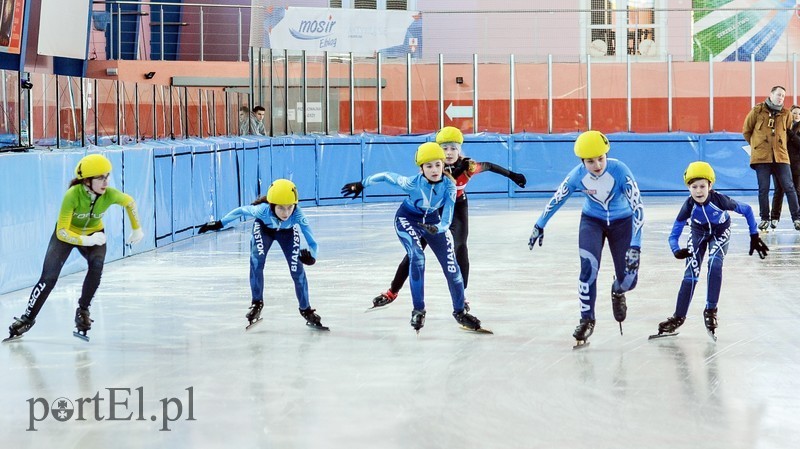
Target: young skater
(79,225)
(462,169)
(613,210)
(278,217)
(426,213)
(707,210)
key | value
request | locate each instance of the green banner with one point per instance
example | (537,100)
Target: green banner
(708,6)
(718,37)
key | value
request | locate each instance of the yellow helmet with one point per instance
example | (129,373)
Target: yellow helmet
(282,192)
(449,134)
(698,170)
(91,166)
(427,152)
(591,144)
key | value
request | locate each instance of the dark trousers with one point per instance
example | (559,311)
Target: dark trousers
(777,198)
(289,241)
(783,175)
(54,259)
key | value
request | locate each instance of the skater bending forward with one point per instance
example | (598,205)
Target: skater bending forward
(612,211)
(707,210)
(277,218)
(80,225)
(462,169)
(419,217)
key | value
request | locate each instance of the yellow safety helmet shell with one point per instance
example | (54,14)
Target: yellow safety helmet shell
(282,192)
(427,152)
(591,144)
(91,166)
(699,170)
(449,134)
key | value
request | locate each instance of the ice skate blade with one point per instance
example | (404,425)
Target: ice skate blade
(480,330)
(249,326)
(80,335)
(580,344)
(14,338)
(711,334)
(374,308)
(668,334)
(319,328)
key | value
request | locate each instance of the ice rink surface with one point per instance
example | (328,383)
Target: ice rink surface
(169,334)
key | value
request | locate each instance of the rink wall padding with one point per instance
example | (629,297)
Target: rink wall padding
(180,184)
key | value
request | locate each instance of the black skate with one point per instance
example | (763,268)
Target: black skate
(667,328)
(469,322)
(254,314)
(18,327)
(83,323)
(417,319)
(710,318)
(384,299)
(619,307)
(312,319)
(583,332)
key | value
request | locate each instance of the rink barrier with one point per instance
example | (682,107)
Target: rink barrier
(181,184)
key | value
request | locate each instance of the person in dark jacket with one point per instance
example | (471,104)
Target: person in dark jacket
(793,146)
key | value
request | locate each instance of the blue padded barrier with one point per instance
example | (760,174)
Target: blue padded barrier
(544,159)
(294,158)
(203,186)
(264,167)
(731,163)
(162,176)
(488,147)
(182,205)
(338,159)
(137,176)
(247,153)
(227,179)
(651,158)
(392,154)
(114,216)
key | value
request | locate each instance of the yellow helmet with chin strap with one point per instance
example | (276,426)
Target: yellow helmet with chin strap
(282,192)
(91,166)
(591,144)
(699,170)
(449,134)
(427,152)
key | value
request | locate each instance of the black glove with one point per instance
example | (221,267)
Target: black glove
(518,178)
(352,189)
(537,234)
(306,257)
(682,253)
(632,259)
(758,245)
(210,226)
(429,228)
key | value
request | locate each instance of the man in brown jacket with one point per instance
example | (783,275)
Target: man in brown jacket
(765,130)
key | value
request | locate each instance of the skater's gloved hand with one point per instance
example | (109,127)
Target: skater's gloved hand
(210,226)
(537,234)
(632,259)
(136,236)
(758,245)
(96,239)
(682,253)
(306,257)
(518,178)
(353,189)
(429,228)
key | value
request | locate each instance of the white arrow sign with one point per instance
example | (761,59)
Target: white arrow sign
(458,111)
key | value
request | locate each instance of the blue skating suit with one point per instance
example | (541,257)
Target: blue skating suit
(422,206)
(710,230)
(267,229)
(613,210)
